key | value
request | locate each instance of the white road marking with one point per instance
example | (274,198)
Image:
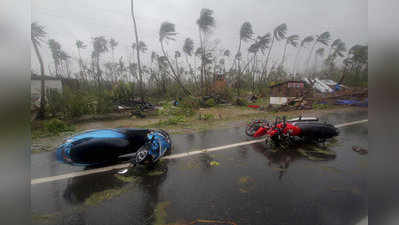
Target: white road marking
(175,156)
(351,123)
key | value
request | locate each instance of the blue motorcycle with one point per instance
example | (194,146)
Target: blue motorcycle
(95,147)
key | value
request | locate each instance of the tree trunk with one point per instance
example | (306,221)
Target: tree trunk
(285,50)
(202,64)
(239,70)
(296,61)
(309,57)
(138,54)
(42,110)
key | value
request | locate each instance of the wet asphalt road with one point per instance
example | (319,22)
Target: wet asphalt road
(243,185)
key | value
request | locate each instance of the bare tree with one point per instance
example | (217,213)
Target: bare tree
(138,53)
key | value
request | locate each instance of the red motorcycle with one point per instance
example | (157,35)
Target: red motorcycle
(297,130)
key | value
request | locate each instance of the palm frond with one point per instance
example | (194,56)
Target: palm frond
(188,46)
(306,40)
(246,31)
(280,31)
(37,33)
(167,31)
(293,40)
(324,38)
(206,20)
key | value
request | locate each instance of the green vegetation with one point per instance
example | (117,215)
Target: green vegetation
(320,106)
(102,82)
(99,197)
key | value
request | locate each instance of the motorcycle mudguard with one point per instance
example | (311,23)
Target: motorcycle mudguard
(260,132)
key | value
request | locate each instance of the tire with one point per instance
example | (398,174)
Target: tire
(253,126)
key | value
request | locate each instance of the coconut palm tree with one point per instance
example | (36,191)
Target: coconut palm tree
(205,24)
(261,44)
(323,39)
(188,48)
(112,45)
(333,45)
(64,59)
(141,85)
(246,33)
(278,34)
(80,45)
(55,49)
(177,55)
(37,37)
(291,40)
(167,32)
(100,46)
(305,41)
(337,49)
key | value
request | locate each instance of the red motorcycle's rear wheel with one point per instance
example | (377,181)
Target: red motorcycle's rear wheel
(253,126)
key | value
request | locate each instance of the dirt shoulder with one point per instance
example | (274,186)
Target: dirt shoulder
(204,119)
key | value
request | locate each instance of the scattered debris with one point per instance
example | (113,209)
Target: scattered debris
(360,150)
(214,163)
(98,197)
(246,183)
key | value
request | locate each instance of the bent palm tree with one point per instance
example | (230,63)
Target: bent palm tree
(291,40)
(245,35)
(278,34)
(80,45)
(324,39)
(99,47)
(306,40)
(167,32)
(55,49)
(205,23)
(37,36)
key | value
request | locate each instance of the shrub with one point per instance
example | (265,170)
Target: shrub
(206,116)
(55,126)
(190,102)
(241,102)
(210,102)
(55,102)
(174,120)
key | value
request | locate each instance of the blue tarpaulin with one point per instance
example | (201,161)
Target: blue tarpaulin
(353,102)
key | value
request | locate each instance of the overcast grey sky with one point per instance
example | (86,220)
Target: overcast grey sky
(68,21)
